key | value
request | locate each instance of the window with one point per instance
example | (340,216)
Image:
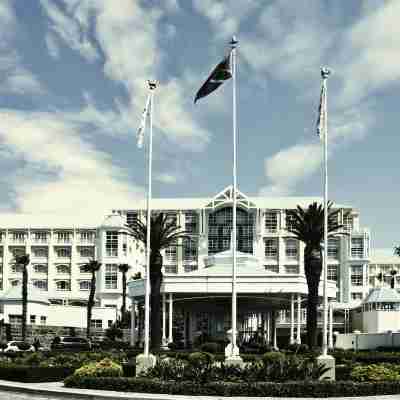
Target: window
(15,283)
(17,269)
(32,319)
(189,267)
(272,268)
(63,236)
(191,222)
(109,323)
(271,249)
(271,222)
(40,252)
(84,285)
(15,319)
(111,276)
(16,251)
(18,236)
(171,269)
(131,218)
(348,222)
(170,254)
(40,284)
(86,236)
(63,286)
(291,269)
(82,269)
(43,320)
(356,296)
(111,244)
(63,252)
(96,323)
(356,275)
(86,252)
(291,249)
(2,236)
(40,236)
(357,247)
(189,250)
(172,218)
(63,269)
(333,248)
(220,227)
(289,222)
(332,272)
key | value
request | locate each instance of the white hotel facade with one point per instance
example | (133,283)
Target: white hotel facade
(271,283)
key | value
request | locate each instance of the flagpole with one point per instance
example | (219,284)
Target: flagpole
(325,72)
(233,44)
(152,87)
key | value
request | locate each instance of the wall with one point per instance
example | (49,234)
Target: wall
(367,341)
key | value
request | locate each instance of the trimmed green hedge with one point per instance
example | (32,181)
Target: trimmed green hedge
(22,373)
(262,389)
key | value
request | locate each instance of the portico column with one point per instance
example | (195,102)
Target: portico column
(269,327)
(298,333)
(164,329)
(292,319)
(133,323)
(274,318)
(170,338)
(330,333)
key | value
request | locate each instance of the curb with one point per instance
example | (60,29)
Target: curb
(57,390)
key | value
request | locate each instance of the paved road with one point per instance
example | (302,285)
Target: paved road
(22,396)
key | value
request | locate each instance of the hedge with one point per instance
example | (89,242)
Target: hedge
(22,373)
(262,389)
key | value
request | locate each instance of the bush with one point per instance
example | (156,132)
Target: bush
(375,373)
(210,347)
(103,368)
(23,373)
(113,332)
(3,345)
(273,357)
(259,389)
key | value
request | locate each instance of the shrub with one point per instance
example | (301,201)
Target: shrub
(103,368)
(210,347)
(375,372)
(113,332)
(23,373)
(273,357)
(3,345)
(256,389)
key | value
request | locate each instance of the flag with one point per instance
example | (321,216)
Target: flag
(321,111)
(221,73)
(142,126)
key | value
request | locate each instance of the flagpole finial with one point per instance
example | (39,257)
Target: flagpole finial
(325,72)
(233,42)
(152,84)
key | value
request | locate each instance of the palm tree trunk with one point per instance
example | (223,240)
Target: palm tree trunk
(312,313)
(24,300)
(155,316)
(123,308)
(90,304)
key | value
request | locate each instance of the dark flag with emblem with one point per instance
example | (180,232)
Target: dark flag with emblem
(221,73)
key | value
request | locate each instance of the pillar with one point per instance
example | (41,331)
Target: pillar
(269,327)
(133,323)
(164,342)
(275,341)
(292,318)
(298,335)
(330,332)
(170,337)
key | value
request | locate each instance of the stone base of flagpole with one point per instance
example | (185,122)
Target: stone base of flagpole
(164,344)
(232,357)
(328,362)
(143,363)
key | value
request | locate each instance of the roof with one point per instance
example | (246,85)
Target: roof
(382,295)
(49,221)
(114,221)
(34,295)
(383,256)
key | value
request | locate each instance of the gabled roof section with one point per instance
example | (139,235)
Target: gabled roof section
(226,197)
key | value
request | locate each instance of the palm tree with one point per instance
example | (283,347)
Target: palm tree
(123,268)
(162,235)
(23,260)
(93,266)
(308,226)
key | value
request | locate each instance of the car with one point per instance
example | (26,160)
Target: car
(70,343)
(15,346)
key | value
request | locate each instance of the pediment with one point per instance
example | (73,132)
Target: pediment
(225,197)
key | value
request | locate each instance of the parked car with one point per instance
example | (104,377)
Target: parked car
(100,341)
(15,346)
(70,343)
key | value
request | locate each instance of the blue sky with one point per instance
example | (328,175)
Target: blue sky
(72,88)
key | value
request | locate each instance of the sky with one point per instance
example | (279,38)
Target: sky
(73,86)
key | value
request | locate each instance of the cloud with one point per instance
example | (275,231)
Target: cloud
(52,45)
(69,31)
(167,178)
(128,38)
(63,173)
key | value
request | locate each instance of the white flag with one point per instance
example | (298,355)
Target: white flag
(321,112)
(142,126)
